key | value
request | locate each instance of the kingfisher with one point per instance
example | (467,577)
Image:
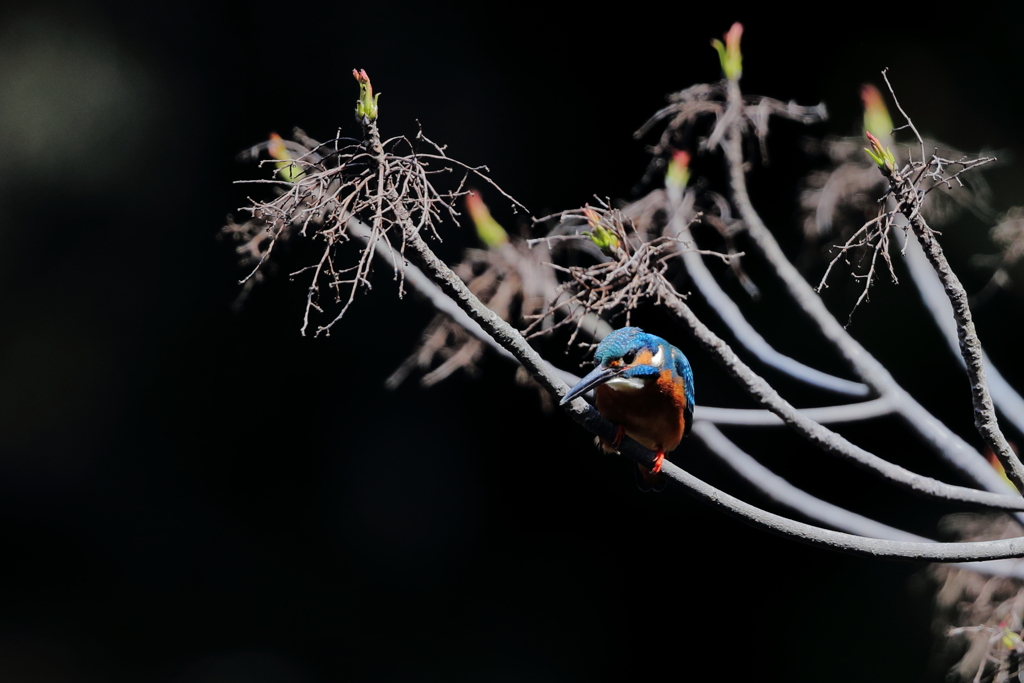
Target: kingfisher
(644,386)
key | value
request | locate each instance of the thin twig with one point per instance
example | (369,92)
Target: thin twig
(1007,400)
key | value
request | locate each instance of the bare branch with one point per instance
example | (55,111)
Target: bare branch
(781,491)
(851,412)
(908,200)
(1007,400)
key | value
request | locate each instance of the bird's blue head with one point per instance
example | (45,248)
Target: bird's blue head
(627,356)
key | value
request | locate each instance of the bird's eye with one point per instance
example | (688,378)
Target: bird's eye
(629,357)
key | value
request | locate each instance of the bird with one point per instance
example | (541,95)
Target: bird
(644,386)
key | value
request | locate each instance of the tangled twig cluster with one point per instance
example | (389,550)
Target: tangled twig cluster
(321,187)
(629,272)
(688,106)
(900,205)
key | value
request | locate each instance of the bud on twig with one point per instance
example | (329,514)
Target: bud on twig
(876,115)
(605,239)
(1011,640)
(678,174)
(882,156)
(288,170)
(488,230)
(729,54)
(366,105)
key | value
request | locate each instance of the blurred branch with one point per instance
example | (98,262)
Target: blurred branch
(838,541)
(781,491)
(419,282)
(784,493)
(729,312)
(850,412)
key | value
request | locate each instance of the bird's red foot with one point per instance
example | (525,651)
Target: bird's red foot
(620,432)
(658,461)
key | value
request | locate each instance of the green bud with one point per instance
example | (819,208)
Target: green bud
(876,115)
(678,173)
(366,105)
(606,240)
(729,54)
(488,230)
(883,157)
(1010,638)
(289,171)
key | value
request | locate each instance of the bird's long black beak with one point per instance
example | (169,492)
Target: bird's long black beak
(598,375)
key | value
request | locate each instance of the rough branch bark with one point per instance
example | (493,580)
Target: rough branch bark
(1008,402)
(908,203)
(731,315)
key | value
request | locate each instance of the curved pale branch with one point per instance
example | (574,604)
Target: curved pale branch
(784,493)
(839,541)
(850,412)
(781,491)
(726,309)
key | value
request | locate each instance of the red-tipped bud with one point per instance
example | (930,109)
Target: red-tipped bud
(882,156)
(276,147)
(602,237)
(729,54)
(876,115)
(286,168)
(488,230)
(993,461)
(366,105)
(678,173)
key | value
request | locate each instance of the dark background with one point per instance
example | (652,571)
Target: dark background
(194,494)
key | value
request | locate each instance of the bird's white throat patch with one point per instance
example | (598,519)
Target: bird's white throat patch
(625,383)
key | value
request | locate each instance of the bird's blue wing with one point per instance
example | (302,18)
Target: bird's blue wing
(682,368)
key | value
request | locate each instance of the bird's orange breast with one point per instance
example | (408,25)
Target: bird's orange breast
(653,415)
